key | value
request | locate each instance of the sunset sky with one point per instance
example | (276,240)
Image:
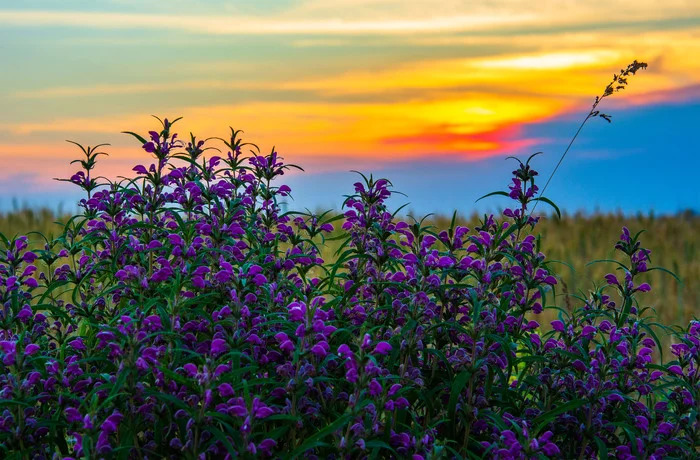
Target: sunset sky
(431,95)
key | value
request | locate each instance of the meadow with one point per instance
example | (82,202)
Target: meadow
(181,313)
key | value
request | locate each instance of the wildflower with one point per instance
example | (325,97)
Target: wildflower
(31,349)
(382,348)
(218,346)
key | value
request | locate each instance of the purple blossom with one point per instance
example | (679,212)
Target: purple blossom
(320,349)
(31,349)
(77,344)
(557,325)
(675,369)
(218,346)
(382,348)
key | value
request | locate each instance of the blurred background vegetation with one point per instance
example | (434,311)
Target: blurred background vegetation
(575,240)
(579,239)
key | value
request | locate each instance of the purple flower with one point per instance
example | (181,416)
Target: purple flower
(535,340)
(551,280)
(375,388)
(642,423)
(382,348)
(238,410)
(675,369)
(260,410)
(550,449)
(218,346)
(557,325)
(344,350)
(351,375)
(191,369)
(175,443)
(588,331)
(110,425)
(259,280)
(72,415)
(680,349)
(664,428)
(153,323)
(225,390)
(445,262)
(87,422)
(77,344)
(31,349)
(176,239)
(266,446)
(645,351)
(625,236)
(401,403)
(297,311)
(319,350)
(31,283)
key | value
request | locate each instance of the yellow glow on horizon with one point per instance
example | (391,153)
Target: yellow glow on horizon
(551,61)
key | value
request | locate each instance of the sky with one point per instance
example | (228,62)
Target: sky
(430,95)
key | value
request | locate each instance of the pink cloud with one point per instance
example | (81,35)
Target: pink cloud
(444,141)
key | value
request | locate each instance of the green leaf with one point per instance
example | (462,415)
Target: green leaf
(543,420)
(376,443)
(218,435)
(457,386)
(499,193)
(141,139)
(666,271)
(602,448)
(611,261)
(551,203)
(315,439)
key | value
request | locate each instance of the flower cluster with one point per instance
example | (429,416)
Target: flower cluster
(184,315)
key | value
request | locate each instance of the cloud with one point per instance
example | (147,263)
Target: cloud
(353,17)
(550,61)
(542,13)
(135,88)
(239,25)
(507,74)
